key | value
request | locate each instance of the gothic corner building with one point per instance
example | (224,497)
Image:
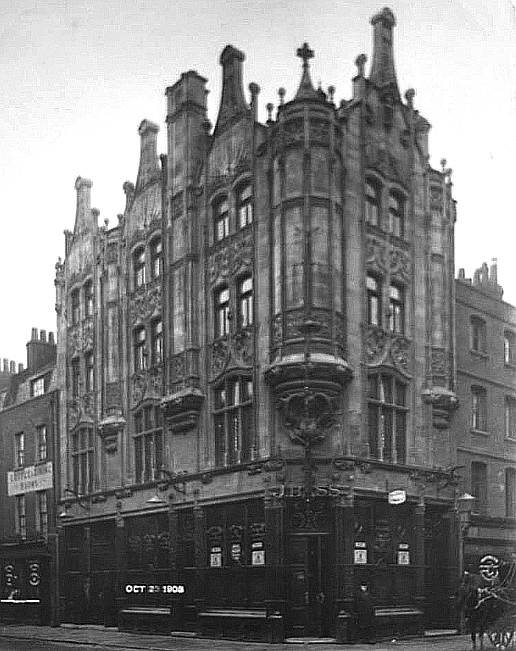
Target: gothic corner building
(259,361)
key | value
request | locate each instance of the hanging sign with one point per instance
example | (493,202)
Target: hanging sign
(489,566)
(397,497)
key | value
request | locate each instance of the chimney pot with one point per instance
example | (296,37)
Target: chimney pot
(6,365)
(43,335)
(20,368)
(34,336)
(12,367)
(462,274)
(51,339)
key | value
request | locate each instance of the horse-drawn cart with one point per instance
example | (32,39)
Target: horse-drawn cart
(488,602)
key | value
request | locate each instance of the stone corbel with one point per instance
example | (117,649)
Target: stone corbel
(444,402)
(108,430)
(182,409)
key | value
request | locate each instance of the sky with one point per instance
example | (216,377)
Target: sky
(78,76)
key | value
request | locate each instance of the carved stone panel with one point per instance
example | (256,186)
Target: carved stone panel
(234,350)
(145,303)
(232,259)
(382,347)
(147,384)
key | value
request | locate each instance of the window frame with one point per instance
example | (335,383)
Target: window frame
(156,257)
(221,225)
(374,297)
(75,305)
(42,443)
(222,312)
(89,362)
(372,202)
(510,492)
(478,420)
(139,271)
(397,309)
(88,298)
(20,516)
(41,513)
(509,348)
(82,456)
(37,386)
(148,443)
(244,204)
(75,376)
(387,413)
(156,342)
(477,335)
(396,224)
(233,419)
(19,450)
(479,485)
(245,300)
(140,348)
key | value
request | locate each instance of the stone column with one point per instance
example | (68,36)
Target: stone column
(344,522)
(274,552)
(419,552)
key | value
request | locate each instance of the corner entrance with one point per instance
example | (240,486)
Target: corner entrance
(309,585)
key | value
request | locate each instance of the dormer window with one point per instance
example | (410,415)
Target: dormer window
(396,214)
(245,206)
(221,219)
(139,267)
(372,203)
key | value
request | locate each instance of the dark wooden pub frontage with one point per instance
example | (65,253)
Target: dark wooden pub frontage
(258,368)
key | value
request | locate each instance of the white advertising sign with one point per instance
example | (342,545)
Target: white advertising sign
(30,479)
(397,497)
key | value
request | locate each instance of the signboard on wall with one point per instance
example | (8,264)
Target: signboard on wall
(397,497)
(30,479)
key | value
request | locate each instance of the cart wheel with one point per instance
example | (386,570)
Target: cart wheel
(501,639)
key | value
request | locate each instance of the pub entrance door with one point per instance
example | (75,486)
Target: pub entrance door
(309,581)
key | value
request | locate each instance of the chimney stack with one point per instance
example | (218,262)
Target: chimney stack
(40,352)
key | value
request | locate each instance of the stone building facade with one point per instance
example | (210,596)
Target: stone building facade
(29,420)
(486,421)
(258,368)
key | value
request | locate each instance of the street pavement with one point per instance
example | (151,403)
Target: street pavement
(45,637)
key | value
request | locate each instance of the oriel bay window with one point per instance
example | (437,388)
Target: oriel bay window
(82,460)
(245,206)
(234,421)
(387,418)
(148,443)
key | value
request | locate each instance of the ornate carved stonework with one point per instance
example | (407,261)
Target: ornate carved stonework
(147,384)
(80,337)
(444,402)
(232,259)
(382,258)
(308,416)
(382,347)
(178,367)
(182,409)
(387,164)
(232,351)
(438,361)
(109,429)
(145,303)
(80,410)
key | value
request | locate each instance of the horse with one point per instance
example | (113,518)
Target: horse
(481,605)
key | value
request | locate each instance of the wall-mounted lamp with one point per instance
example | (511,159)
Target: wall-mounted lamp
(465,505)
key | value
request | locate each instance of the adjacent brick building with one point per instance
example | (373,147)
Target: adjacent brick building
(486,421)
(258,368)
(29,421)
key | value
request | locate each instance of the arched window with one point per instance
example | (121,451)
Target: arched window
(221,219)
(222,312)
(245,302)
(396,214)
(374,303)
(387,418)
(156,256)
(148,443)
(234,421)
(245,206)
(139,267)
(372,203)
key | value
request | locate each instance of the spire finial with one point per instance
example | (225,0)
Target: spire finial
(304,52)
